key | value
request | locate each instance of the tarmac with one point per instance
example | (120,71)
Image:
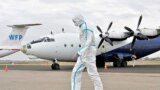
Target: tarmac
(41,77)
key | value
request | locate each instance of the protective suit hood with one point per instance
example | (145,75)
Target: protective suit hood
(78,20)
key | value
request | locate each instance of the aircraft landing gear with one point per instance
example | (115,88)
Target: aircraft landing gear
(133,57)
(55,65)
(100,62)
(124,64)
(119,63)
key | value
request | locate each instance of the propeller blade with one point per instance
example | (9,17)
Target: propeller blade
(128,34)
(142,36)
(128,29)
(109,41)
(131,32)
(100,43)
(109,27)
(133,42)
(139,22)
(99,29)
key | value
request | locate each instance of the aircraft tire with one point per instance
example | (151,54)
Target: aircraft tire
(100,62)
(124,64)
(117,63)
(55,66)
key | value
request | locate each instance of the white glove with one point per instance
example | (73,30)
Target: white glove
(76,56)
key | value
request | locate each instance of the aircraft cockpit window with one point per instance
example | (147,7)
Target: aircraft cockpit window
(51,40)
(36,41)
(47,39)
(44,39)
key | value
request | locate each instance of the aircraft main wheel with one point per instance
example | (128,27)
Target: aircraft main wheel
(124,64)
(55,66)
(100,62)
(117,63)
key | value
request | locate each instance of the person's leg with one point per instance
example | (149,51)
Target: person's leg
(93,73)
(76,75)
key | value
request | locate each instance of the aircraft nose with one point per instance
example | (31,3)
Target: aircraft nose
(26,47)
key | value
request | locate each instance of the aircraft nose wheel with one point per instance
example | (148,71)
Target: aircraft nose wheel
(55,66)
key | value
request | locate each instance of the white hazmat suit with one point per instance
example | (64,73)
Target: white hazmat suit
(86,56)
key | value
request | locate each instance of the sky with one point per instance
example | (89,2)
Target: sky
(57,14)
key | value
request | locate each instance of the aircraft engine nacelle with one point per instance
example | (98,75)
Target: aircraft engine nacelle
(118,36)
(151,33)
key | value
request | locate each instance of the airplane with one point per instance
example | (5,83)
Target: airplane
(142,48)
(63,46)
(14,39)
(122,55)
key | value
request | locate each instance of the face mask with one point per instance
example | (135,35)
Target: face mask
(75,22)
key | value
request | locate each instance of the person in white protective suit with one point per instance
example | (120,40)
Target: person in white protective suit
(86,56)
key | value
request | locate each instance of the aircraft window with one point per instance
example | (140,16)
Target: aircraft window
(36,41)
(47,39)
(52,40)
(65,45)
(28,46)
(103,46)
(44,39)
(71,45)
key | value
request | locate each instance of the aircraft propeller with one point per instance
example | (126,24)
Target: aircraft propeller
(105,36)
(137,34)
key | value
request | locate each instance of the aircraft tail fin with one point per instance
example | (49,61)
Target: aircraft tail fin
(13,40)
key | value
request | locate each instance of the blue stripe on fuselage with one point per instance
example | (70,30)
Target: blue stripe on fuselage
(142,48)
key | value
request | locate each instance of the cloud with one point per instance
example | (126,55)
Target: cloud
(58,13)
(55,14)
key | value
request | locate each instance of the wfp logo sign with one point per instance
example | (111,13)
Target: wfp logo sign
(15,37)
